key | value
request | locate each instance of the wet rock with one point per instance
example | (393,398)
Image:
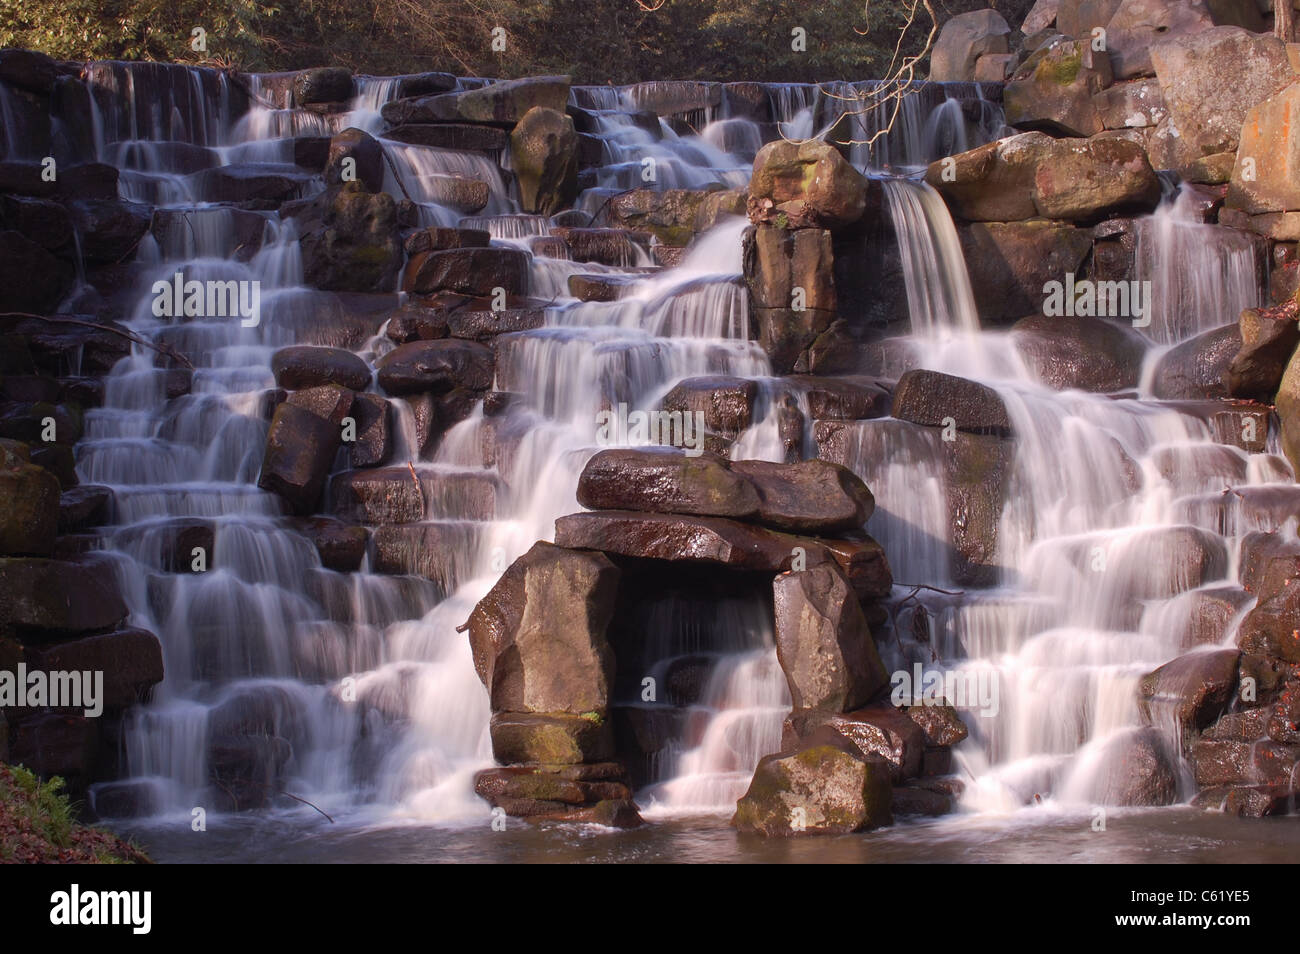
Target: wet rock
(823,642)
(1193,689)
(469,271)
(417,323)
(439,238)
(843,398)
(373,445)
(792,290)
(727,403)
(1196,368)
(538,637)
(327,84)
(57,743)
(130,659)
(1090,354)
(1212,79)
(544,156)
(88,505)
(805,185)
(817,789)
(29,518)
(1134,768)
(940,724)
(1010,263)
(300,450)
(245,770)
(557,739)
(60,596)
(670,215)
(340,546)
(43,221)
(439,552)
(256,185)
(1243,763)
(932,399)
(1270,628)
(329,402)
(484,324)
(1268,339)
(878,731)
(367,160)
(977,471)
(1287,402)
(502,103)
(305,366)
(1053,90)
(1247,801)
(456,136)
(436,367)
(461,193)
(813,496)
(388,495)
(1210,614)
(1085,180)
(994,182)
(963,40)
(665,480)
(1268,561)
(351,242)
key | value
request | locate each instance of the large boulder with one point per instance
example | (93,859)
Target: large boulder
(1195,368)
(1054,89)
(812,496)
(438,366)
(1134,768)
(1010,263)
(1288,411)
(325,84)
(930,398)
(305,366)
(130,659)
(31,278)
(1212,79)
(502,103)
(29,519)
(1088,354)
(1138,28)
(367,160)
(538,637)
(544,156)
(1269,629)
(50,597)
(805,184)
(963,40)
(468,271)
(1266,174)
(820,788)
(666,480)
(300,450)
(789,274)
(354,244)
(878,731)
(1193,690)
(823,641)
(727,403)
(1268,339)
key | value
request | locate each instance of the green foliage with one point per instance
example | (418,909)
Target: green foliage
(612,41)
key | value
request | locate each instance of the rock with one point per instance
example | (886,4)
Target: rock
(558,739)
(502,103)
(1268,339)
(367,160)
(130,659)
(300,450)
(355,246)
(1139,28)
(29,518)
(340,546)
(817,789)
(29,70)
(327,84)
(388,495)
(245,770)
(1247,801)
(417,323)
(1090,354)
(1237,763)
(456,136)
(805,184)
(436,367)
(1270,628)
(259,185)
(544,156)
(791,288)
(879,731)
(1010,264)
(469,271)
(305,366)
(995,67)
(1193,689)
(1134,769)
(1085,180)
(42,221)
(666,480)
(1054,89)
(940,724)
(931,399)
(327,401)
(1196,368)
(439,238)
(1041,16)
(1266,173)
(83,507)
(373,445)
(60,596)
(670,215)
(823,642)
(460,193)
(813,496)
(31,279)
(1212,79)
(1138,104)
(1267,562)
(994,182)
(482,325)
(538,637)
(963,40)
(727,403)
(1288,411)
(56,743)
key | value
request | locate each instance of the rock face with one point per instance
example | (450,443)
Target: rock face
(1054,89)
(1211,80)
(544,155)
(1138,27)
(1266,175)
(819,789)
(823,641)
(963,40)
(1010,263)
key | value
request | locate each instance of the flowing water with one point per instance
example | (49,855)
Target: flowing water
(365,676)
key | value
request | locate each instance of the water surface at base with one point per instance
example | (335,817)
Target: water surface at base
(1032,836)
